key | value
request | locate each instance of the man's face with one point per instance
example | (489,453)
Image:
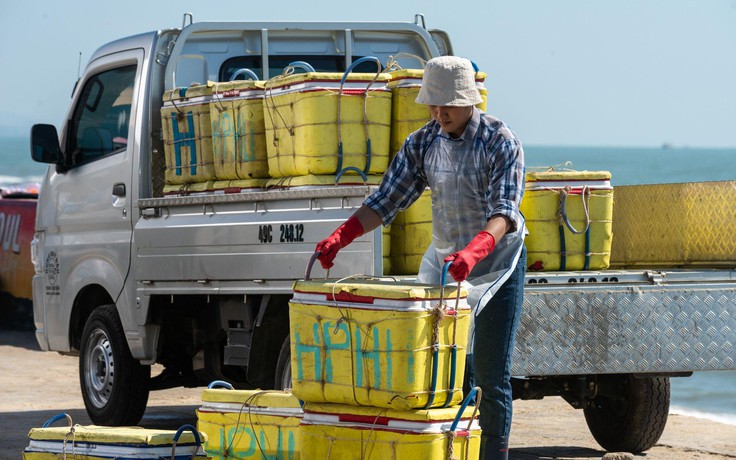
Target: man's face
(452,120)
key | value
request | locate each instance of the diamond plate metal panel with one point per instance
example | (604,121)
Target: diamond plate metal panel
(675,225)
(627,330)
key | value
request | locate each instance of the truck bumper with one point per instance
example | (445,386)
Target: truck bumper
(39,310)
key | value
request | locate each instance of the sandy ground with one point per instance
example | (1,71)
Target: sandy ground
(37,385)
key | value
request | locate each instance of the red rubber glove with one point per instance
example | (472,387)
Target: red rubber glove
(344,235)
(464,261)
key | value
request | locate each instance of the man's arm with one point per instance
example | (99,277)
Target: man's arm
(498,226)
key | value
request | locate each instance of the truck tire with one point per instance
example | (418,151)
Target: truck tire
(283,367)
(631,414)
(114,385)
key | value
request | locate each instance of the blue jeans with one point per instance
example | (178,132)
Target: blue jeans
(495,331)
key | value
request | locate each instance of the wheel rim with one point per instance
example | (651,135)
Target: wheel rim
(615,408)
(99,368)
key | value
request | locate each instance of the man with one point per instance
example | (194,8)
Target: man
(474,167)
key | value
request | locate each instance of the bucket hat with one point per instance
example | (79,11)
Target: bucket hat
(449,81)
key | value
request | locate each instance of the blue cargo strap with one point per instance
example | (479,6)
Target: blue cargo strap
(465,403)
(452,433)
(453,349)
(183,428)
(71,434)
(365,113)
(351,168)
(565,222)
(220,384)
(56,418)
(439,312)
(307,67)
(243,71)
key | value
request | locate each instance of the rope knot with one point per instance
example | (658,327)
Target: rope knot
(341,320)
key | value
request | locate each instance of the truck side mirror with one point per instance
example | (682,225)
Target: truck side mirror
(45,144)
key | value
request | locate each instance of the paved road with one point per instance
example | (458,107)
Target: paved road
(35,386)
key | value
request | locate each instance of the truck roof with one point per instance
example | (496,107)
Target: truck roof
(142,40)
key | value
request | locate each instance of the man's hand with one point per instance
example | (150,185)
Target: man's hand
(344,235)
(464,261)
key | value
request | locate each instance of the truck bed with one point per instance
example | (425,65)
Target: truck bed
(627,321)
(255,242)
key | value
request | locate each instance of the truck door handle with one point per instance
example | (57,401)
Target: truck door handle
(118,190)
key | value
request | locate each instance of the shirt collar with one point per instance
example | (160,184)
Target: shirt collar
(470,130)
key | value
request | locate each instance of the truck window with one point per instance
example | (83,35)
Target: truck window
(99,125)
(278,63)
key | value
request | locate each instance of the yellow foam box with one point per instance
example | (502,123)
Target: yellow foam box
(322,180)
(584,199)
(187,132)
(302,123)
(250,424)
(238,185)
(386,250)
(238,130)
(406,115)
(675,225)
(189,189)
(332,432)
(411,234)
(103,443)
(369,342)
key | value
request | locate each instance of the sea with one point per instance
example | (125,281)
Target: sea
(710,395)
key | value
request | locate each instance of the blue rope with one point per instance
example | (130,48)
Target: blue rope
(462,408)
(563,249)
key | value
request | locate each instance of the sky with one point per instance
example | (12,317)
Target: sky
(569,72)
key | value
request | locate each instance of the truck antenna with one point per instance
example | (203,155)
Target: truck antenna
(79,66)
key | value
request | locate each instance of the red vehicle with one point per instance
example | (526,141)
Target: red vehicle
(17,219)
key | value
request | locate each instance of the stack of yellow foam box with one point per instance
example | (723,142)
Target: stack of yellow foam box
(214,138)
(106,442)
(187,132)
(250,424)
(239,135)
(327,124)
(380,367)
(569,215)
(410,235)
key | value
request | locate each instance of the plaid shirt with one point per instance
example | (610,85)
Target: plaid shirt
(499,169)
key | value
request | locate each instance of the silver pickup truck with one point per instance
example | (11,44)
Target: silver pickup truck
(126,277)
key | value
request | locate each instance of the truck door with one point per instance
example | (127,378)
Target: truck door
(92,196)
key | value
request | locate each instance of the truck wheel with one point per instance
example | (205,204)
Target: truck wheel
(114,385)
(630,414)
(283,367)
